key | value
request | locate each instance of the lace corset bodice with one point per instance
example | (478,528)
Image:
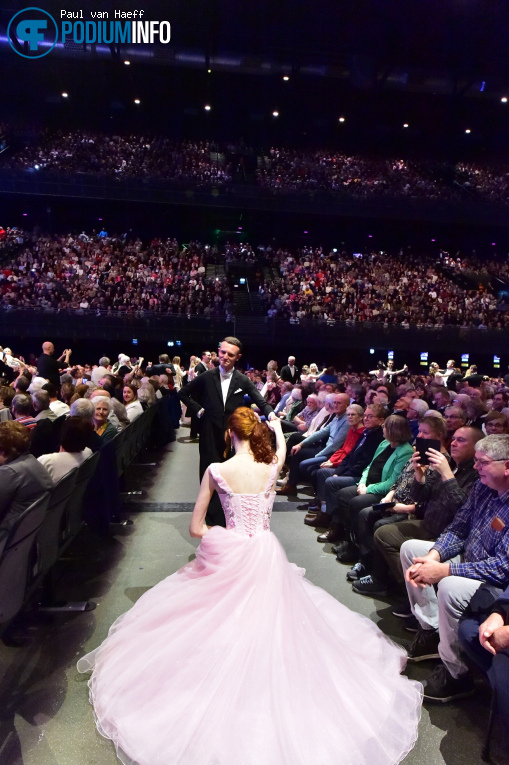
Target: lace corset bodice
(247,514)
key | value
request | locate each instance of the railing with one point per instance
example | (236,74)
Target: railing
(252,329)
(164,191)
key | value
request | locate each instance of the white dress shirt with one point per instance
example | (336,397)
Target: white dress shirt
(225,382)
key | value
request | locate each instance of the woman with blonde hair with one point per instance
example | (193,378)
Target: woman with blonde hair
(209,666)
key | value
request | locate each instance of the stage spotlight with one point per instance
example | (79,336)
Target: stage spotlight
(468,131)
(127,63)
(275,114)
(207,108)
(341,119)
(286,78)
(504,99)
(137,101)
(65,95)
(405,125)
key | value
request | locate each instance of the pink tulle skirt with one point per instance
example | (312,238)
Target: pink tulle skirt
(237,659)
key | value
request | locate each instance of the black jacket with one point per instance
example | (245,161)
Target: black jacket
(200,369)
(361,455)
(286,375)
(205,392)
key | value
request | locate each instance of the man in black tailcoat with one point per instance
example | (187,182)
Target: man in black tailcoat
(214,396)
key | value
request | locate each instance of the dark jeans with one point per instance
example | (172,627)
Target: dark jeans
(367,522)
(350,505)
(496,667)
(306,453)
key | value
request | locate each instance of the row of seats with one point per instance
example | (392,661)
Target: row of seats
(90,494)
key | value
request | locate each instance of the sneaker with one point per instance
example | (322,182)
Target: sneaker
(424,645)
(356,572)
(403,610)
(369,586)
(442,686)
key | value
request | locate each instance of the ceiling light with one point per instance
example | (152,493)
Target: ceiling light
(405,124)
(209,71)
(127,63)
(207,108)
(504,99)
(65,95)
(275,114)
(468,130)
(137,101)
(286,78)
(341,119)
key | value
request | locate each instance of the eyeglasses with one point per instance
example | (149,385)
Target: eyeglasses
(370,417)
(483,463)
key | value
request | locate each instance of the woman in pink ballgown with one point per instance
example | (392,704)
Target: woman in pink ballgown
(237,659)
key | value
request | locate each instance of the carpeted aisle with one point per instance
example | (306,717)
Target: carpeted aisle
(45,718)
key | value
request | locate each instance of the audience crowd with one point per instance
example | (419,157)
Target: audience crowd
(100,272)
(202,164)
(104,273)
(408,475)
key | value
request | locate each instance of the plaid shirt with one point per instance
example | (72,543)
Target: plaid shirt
(485,551)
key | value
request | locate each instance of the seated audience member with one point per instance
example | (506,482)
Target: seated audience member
(376,480)
(57,407)
(6,396)
(455,417)
(40,403)
(303,419)
(323,417)
(316,448)
(84,408)
(133,407)
(484,637)
(286,390)
(66,393)
(73,448)
(437,490)
(22,479)
(100,370)
(442,400)
(102,426)
(441,577)
(21,384)
(118,409)
(355,415)
(495,423)
(476,412)
(499,401)
(330,481)
(146,397)
(21,408)
(293,406)
(415,412)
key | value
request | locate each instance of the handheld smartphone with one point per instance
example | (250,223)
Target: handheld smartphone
(383,506)
(423,444)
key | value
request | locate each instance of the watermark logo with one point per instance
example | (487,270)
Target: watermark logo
(32,33)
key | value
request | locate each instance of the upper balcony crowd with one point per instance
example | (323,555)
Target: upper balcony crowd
(203,164)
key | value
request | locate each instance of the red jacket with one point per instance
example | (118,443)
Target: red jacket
(351,439)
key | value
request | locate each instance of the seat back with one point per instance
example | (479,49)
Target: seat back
(74,509)
(53,530)
(18,558)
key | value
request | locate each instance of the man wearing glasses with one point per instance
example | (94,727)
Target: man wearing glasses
(473,549)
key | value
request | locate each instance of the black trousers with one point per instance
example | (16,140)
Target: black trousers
(350,505)
(212,446)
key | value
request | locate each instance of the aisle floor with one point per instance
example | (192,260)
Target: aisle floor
(45,718)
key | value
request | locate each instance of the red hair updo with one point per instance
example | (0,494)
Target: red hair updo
(247,427)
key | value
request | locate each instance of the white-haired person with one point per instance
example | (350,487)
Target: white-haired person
(102,426)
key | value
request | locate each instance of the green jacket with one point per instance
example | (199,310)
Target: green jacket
(391,469)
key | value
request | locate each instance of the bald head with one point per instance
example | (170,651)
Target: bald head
(100,392)
(341,403)
(48,348)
